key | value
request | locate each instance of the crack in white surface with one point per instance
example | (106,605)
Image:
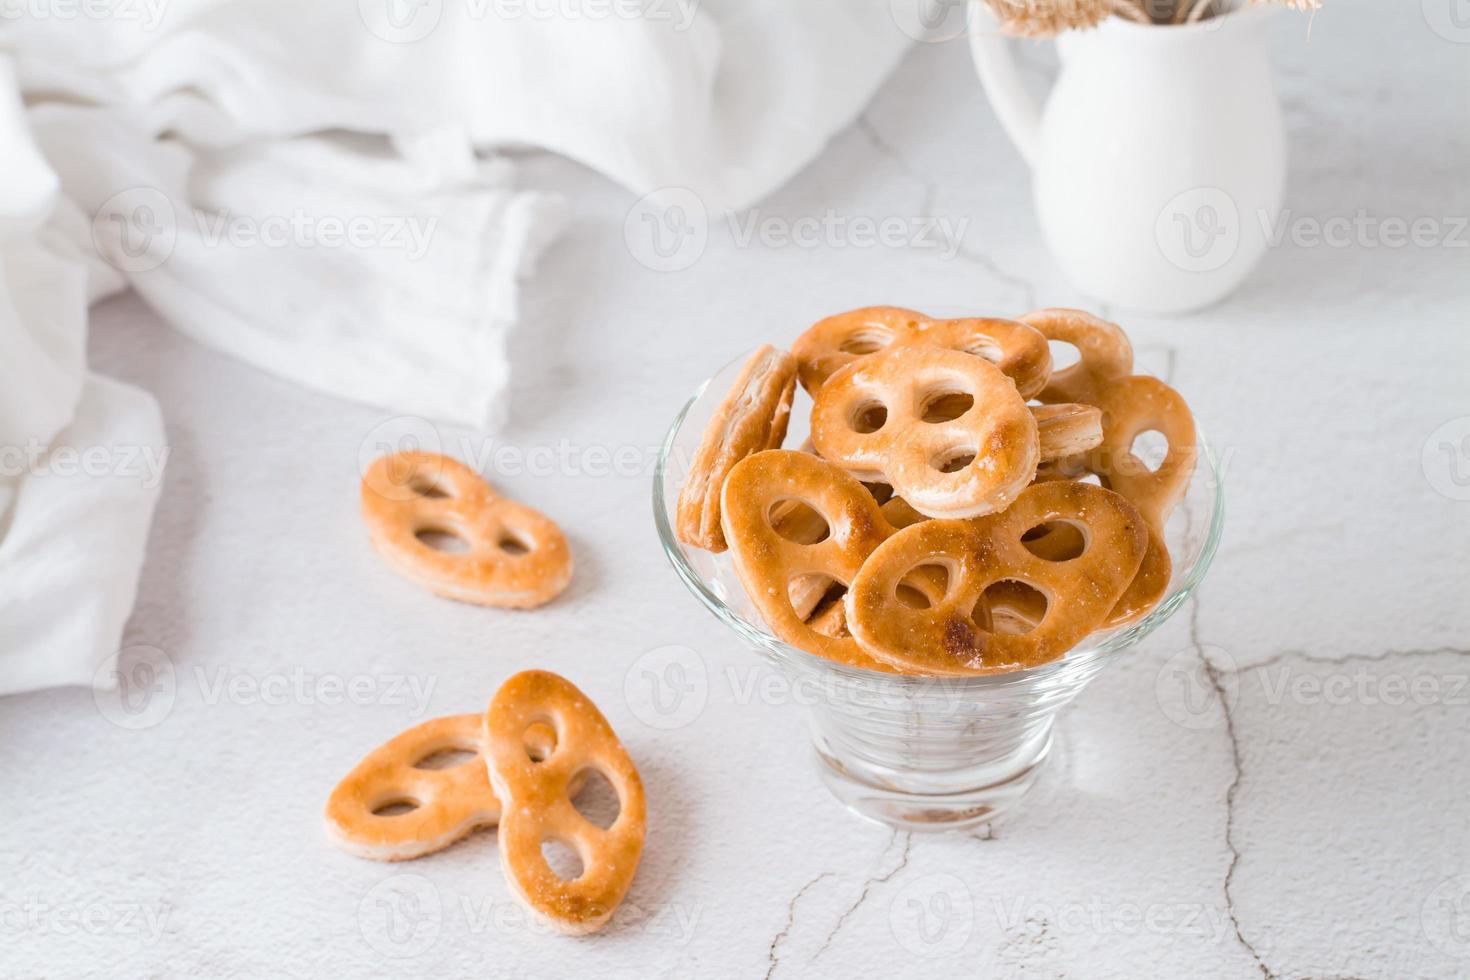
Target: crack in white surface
(1378,657)
(927,186)
(903,862)
(1214,674)
(929,191)
(772,960)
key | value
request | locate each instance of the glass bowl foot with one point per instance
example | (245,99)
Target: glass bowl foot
(913,809)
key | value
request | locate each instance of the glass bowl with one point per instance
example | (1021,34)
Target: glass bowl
(922,753)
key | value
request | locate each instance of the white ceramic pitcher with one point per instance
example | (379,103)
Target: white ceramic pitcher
(1159,158)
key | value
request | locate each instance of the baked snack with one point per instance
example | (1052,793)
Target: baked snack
(787,575)
(950,637)
(832,343)
(420,791)
(1130,406)
(1104,353)
(396,805)
(753,416)
(537,801)
(514,556)
(948,431)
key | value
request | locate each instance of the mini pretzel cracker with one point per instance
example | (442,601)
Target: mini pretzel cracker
(831,344)
(517,557)
(1105,353)
(787,578)
(443,804)
(538,806)
(1131,406)
(946,430)
(950,637)
(438,805)
(752,417)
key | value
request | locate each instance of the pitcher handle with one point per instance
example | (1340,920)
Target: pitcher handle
(1018,111)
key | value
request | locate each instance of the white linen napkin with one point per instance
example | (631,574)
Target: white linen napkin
(81,457)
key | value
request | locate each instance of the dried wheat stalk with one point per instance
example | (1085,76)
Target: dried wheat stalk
(1047,18)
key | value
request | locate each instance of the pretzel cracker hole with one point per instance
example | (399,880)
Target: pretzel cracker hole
(1150,447)
(443,538)
(395,806)
(448,757)
(1063,355)
(867,416)
(513,544)
(867,341)
(1014,607)
(562,858)
(924,586)
(954,459)
(426,486)
(944,403)
(595,798)
(1056,540)
(798,521)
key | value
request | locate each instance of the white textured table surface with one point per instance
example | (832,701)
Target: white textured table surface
(1312,822)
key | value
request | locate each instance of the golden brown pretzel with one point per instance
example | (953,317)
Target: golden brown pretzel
(395,806)
(752,417)
(538,807)
(785,578)
(1105,353)
(876,418)
(831,344)
(439,805)
(516,556)
(1131,406)
(949,637)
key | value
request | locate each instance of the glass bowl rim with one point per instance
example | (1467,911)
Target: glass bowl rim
(758,636)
